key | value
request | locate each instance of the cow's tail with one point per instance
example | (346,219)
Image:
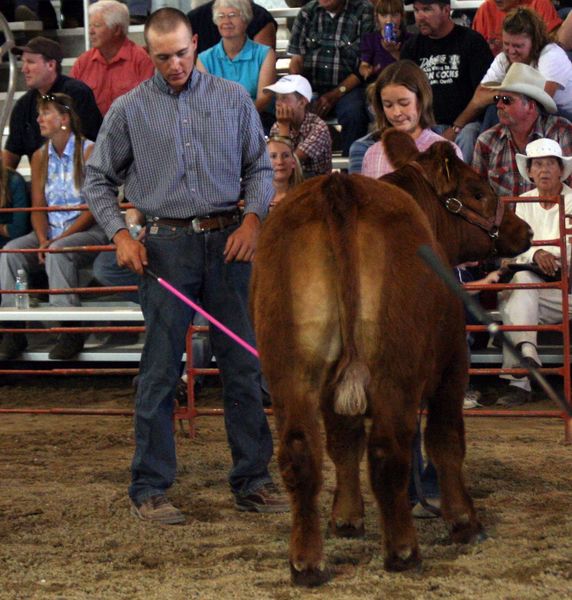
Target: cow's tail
(352,374)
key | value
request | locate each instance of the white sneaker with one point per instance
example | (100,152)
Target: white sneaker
(471,399)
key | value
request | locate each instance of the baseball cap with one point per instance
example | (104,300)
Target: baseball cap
(49,49)
(292,83)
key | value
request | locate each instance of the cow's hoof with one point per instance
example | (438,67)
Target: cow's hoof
(309,577)
(406,560)
(472,533)
(346,530)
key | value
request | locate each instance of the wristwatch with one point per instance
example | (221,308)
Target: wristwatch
(342,89)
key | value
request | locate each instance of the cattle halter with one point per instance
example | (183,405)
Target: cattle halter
(490,225)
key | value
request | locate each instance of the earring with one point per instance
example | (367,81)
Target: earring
(63,127)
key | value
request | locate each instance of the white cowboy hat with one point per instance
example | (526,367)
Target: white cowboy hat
(526,80)
(539,148)
(292,83)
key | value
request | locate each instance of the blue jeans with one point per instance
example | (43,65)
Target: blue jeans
(429,480)
(110,274)
(352,115)
(466,138)
(194,264)
(357,152)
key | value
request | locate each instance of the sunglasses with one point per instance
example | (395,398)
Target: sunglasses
(52,98)
(506,100)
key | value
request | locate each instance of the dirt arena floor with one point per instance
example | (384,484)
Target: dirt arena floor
(66,532)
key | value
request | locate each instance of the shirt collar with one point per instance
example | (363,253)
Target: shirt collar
(164,87)
(68,150)
(124,53)
(246,52)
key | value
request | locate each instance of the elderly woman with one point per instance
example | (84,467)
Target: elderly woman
(543,165)
(524,40)
(57,176)
(239,59)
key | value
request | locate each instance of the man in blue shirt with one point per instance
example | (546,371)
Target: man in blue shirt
(184,143)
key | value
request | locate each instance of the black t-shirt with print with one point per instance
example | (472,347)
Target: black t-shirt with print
(454,65)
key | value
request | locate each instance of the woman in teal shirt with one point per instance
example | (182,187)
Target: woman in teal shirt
(239,59)
(13,194)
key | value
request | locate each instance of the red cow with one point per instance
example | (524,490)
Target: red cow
(351,324)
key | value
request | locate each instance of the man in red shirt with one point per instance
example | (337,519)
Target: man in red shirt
(115,64)
(490,15)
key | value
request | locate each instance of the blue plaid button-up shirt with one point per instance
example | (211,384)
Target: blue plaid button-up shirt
(330,45)
(179,155)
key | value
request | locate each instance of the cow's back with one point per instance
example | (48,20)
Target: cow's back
(307,261)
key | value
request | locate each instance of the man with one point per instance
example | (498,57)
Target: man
(184,143)
(41,66)
(115,64)
(522,105)
(455,59)
(325,49)
(491,13)
(309,134)
(261,29)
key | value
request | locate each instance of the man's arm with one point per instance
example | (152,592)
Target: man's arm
(267,35)
(296,66)
(10,159)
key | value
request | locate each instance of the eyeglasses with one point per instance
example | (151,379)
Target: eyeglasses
(52,98)
(506,100)
(231,16)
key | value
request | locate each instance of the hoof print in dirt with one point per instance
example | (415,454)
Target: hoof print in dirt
(309,577)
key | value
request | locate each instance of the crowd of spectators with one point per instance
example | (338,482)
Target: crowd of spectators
(491,89)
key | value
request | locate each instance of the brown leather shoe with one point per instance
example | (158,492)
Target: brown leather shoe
(266,499)
(158,509)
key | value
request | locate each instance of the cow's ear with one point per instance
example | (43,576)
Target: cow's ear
(399,147)
(442,168)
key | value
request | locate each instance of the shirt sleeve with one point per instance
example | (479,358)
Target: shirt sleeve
(298,35)
(366,49)
(105,171)
(497,70)
(547,13)
(369,159)
(256,168)
(479,58)
(318,142)
(16,139)
(481,158)
(554,65)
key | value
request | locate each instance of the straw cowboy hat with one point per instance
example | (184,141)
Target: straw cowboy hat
(526,80)
(540,148)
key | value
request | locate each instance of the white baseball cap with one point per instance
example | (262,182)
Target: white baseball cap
(292,83)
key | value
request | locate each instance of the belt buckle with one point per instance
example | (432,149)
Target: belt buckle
(196,225)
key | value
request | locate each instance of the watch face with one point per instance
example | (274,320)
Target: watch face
(343,89)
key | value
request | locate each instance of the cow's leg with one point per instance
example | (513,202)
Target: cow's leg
(445,445)
(346,445)
(300,462)
(389,454)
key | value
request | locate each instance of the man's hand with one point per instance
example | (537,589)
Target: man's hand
(41,246)
(284,115)
(241,245)
(547,262)
(130,253)
(326,102)
(449,134)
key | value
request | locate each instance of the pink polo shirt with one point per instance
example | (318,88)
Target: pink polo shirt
(109,80)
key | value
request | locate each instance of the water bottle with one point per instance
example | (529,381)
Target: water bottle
(22,300)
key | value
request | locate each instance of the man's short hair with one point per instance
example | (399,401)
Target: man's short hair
(113,13)
(166,20)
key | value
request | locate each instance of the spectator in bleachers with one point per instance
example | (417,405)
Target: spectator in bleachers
(13,194)
(31,10)
(261,28)
(42,68)
(401,98)
(114,64)
(525,40)
(325,49)
(523,106)
(57,176)
(285,166)
(237,58)
(309,134)
(545,166)
(455,59)
(490,16)
(376,51)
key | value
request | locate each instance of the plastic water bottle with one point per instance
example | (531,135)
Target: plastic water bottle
(22,300)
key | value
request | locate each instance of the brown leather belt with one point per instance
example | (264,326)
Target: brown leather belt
(212,222)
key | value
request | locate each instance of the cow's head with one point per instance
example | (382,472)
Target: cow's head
(464,193)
